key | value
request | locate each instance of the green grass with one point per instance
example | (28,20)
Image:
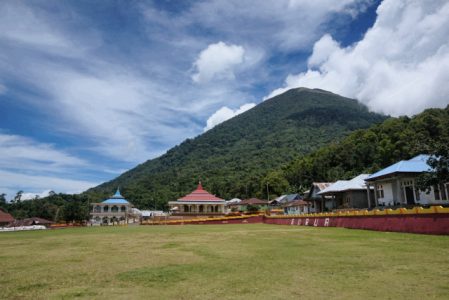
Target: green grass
(222,262)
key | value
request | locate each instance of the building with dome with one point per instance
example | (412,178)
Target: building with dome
(198,203)
(115,210)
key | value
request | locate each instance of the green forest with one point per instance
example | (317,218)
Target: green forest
(288,142)
(233,158)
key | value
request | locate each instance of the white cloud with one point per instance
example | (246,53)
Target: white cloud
(225,113)
(277,24)
(37,184)
(30,196)
(218,61)
(401,66)
(322,50)
(18,152)
(23,161)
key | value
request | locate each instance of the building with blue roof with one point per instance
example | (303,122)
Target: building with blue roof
(395,185)
(115,210)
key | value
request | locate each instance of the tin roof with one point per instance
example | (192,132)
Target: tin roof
(321,185)
(297,203)
(417,164)
(356,183)
(253,201)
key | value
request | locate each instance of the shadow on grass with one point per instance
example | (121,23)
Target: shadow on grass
(151,276)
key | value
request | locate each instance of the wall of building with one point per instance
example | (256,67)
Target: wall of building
(359,199)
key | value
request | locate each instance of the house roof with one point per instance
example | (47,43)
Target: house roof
(320,185)
(117,198)
(297,203)
(200,194)
(234,200)
(253,201)
(5,217)
(30,222)
(417,164)
(356,183)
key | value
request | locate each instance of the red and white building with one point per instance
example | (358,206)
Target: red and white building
(199,203)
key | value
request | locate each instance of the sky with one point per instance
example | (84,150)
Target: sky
(89,89)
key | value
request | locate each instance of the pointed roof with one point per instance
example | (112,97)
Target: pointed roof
(117,195)
(200,194)
(117,198)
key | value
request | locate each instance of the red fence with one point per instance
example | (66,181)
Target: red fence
(412,223)
(418,220)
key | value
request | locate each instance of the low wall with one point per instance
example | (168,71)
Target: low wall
(431,223)
(433,220)
(249,219)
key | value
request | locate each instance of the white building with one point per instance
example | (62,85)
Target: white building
(113,211)
(198,203)
(395,185)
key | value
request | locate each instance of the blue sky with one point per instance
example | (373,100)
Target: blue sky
(89,89)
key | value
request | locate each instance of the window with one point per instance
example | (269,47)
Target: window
(380,191)
(441,191)
(436,192)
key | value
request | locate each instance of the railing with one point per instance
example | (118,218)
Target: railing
(197,213)
(196,220)
(374,212)
(120,213)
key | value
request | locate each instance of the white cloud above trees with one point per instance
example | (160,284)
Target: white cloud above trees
(225,113)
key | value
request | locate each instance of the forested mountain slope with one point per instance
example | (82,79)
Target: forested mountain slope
(233,158)
(368,150)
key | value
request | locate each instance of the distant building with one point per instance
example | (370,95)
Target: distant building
(297,207)
(198,203)
(244,204)
(5,218)
(113,211)
(396,185)
(151,214)
(31,222)
(317,202)
(348,193)
(285,199)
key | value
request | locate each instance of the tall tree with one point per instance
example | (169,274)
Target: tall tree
(439,173)
(18,196)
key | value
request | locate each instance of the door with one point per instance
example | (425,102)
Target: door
(409,195)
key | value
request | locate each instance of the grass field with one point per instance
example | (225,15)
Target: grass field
(256,261)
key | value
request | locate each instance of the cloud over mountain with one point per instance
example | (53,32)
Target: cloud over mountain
(218,61)
(401,65)
(225,113)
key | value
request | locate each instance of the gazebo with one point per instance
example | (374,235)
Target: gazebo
(199,203)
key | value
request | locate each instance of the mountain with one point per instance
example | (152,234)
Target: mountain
(368,150)
(232,158)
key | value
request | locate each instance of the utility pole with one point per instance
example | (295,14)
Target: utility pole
(268,196)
